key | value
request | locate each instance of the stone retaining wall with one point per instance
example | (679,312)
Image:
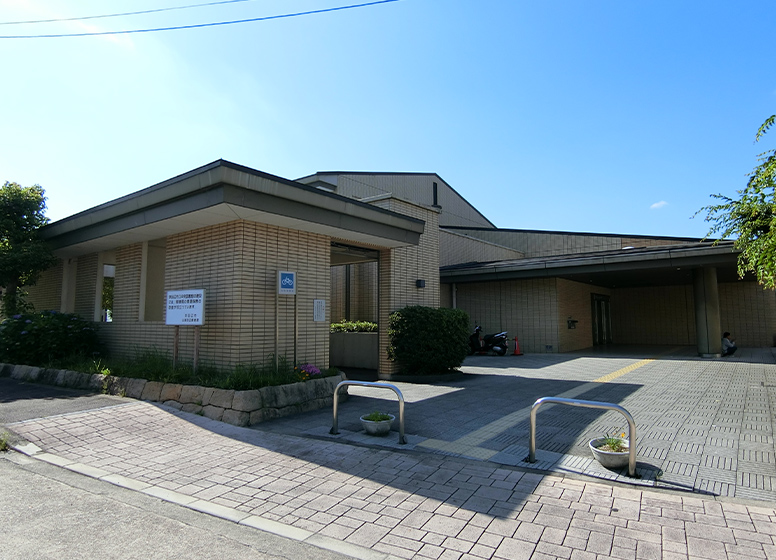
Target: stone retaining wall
(241,408)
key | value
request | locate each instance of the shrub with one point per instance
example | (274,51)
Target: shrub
(45,337)
(353,326)
(427,341)
(155,365)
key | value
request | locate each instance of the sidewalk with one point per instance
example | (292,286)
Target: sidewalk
(379,504)
(702,425)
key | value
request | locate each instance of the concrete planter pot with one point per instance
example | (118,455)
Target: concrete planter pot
(379,428)
(354,349)
(610,459)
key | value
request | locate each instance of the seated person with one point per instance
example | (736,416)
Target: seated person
(728,344)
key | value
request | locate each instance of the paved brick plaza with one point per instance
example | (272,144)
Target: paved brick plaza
(459,489)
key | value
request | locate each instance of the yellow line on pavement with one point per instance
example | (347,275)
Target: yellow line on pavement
(622,371)
(469,445)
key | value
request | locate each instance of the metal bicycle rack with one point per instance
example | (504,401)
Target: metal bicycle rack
(334,428)
(586,404)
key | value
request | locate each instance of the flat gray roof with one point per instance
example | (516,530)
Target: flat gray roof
(668,264)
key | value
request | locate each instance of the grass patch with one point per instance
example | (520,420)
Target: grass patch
(154,365)
(4,441)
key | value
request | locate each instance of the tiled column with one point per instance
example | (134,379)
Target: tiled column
(707,321)
(385,303)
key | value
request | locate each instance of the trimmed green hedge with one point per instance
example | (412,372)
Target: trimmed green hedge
(427,340)
(353,326)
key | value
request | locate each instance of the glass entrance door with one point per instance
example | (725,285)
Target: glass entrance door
(602,320)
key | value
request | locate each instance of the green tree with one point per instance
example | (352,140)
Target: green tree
(23,254)
(751,218)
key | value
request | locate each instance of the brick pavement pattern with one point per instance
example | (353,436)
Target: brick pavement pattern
(703,425)
(395,504)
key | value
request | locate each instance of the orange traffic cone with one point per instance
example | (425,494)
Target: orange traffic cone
(517,351)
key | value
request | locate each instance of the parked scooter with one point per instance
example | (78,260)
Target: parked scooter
(496,342)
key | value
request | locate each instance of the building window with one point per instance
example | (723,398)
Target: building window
(108,277)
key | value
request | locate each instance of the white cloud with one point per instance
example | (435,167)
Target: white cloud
(658,205)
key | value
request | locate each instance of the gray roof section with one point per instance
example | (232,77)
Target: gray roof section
(670,264)
(221,192)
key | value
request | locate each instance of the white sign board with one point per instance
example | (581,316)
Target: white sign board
(319,310)
(185,307)
(286,283)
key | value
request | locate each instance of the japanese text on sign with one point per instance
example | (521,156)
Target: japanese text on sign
(185,307)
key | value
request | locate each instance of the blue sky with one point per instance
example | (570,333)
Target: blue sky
(603,116)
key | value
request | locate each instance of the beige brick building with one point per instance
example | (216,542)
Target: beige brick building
(563,291)
(366,244)
(229,230)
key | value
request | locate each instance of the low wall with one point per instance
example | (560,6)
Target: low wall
(241,408)
(354,349)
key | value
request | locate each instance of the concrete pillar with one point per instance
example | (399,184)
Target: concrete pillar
(707,322)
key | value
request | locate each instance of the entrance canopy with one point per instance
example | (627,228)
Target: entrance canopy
(650,266)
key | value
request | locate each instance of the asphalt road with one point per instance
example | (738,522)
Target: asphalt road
(24,401)
(47,512)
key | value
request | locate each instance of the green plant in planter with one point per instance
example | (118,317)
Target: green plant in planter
(376,417)
(613,443)
(353,326)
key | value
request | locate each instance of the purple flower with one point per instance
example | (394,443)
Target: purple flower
(24,332)
(28,321)
(17,316)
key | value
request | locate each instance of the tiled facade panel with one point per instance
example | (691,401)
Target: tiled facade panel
(639,242)
(749,313)
(387,306)
(543,244)
(86,286)
(414,263)
(653,315)
(126,335)
(363,292)
(400,268)
(128,339)
(414,188)
(575,302)
(446,295)
(455,248)
(46,294)
(337,307)
(237,263)
(126,284)
(526,309)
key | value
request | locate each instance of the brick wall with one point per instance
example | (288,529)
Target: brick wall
(400,268)
(126,284)
(236,263)
(455,248)
(527,309)
(749,313)
(574,302)
(46,294)
(548,243)
(86,286)
(653,315)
